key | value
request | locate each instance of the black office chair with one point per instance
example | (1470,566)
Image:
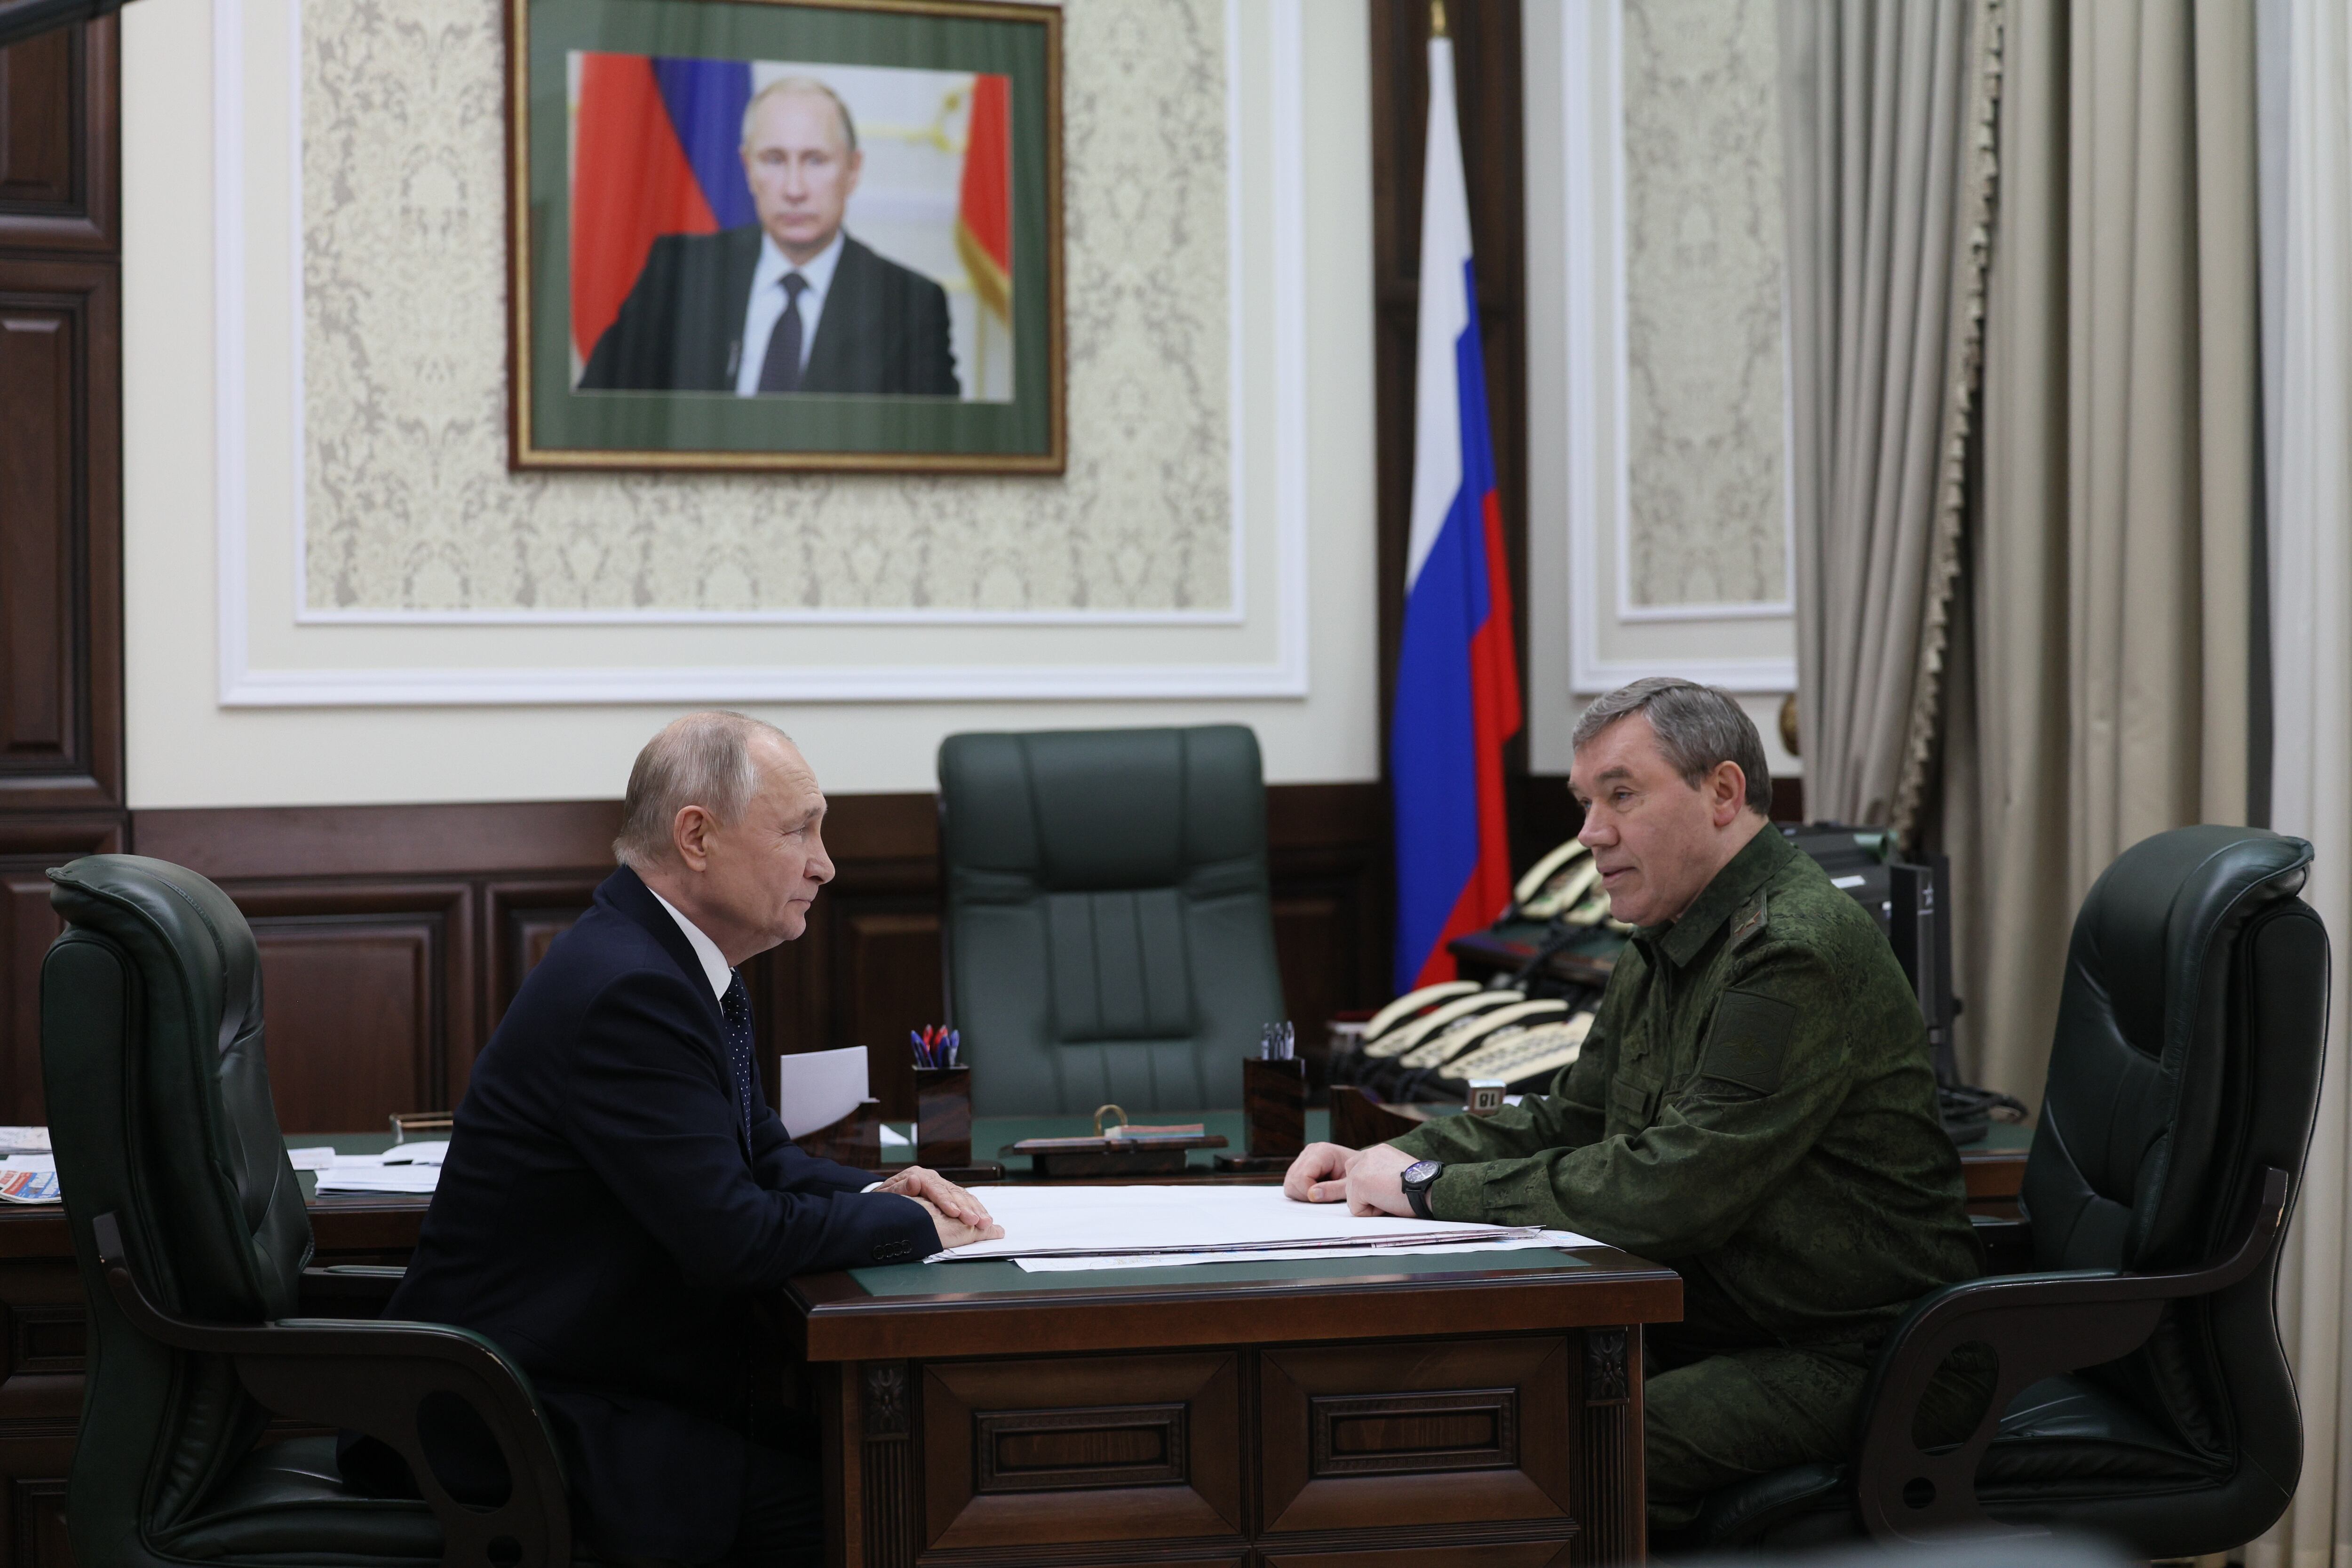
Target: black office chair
(1110,928)
(189,1226)
(2142,1394)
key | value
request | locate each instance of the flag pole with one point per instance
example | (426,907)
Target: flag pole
(1437,18)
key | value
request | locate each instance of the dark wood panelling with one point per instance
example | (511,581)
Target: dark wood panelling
(475,840)
(60,583)
(1477,1431)
(58,180)
(1486,86)
(393,937)
(1126,1449)
(368,990)
(29,845)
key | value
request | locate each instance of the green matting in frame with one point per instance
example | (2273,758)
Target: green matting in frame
(554,425)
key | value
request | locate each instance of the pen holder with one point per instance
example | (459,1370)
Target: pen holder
(855,1140)
(943,1117)
(1274,1108)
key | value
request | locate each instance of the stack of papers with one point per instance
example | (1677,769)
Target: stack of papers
(28,1178)
(1056,1229)
(402,1168)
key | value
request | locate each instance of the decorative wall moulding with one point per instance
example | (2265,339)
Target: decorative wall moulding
(1252,582)
(1613,638)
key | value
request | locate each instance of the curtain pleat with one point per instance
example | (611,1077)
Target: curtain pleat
(2311,612)
(2108,565)
(1882,190)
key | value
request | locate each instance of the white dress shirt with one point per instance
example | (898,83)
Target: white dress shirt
(715,967)
(766,306)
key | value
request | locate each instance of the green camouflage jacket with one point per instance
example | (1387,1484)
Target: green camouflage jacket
(1755,1107)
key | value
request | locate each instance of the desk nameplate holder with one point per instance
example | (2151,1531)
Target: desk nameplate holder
(1126,1151)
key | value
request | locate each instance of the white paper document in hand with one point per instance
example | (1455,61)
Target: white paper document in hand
(817,1088)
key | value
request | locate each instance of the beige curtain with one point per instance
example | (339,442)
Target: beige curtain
(2311,618)
(1886,190)
(2108,613)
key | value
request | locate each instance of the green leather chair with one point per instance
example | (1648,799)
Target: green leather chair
(1110,930)
(189,1226)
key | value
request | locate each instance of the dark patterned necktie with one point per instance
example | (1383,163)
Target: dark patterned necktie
(781,371)
(737,1008)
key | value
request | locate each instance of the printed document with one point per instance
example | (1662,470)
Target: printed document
(1214,1223)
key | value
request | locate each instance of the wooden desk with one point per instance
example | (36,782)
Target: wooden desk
(1322,1413)
(1317,1408)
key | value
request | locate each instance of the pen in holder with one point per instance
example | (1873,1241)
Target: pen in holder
(1274,1108)
(943,1116)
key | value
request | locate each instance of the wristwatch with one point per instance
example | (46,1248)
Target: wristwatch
(1418,1178)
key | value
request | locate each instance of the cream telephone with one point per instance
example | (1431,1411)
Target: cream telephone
(1449,1042)
(1538,1051)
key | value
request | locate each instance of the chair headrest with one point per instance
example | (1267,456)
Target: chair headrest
(2149,923)
(151,905)
(1088,810)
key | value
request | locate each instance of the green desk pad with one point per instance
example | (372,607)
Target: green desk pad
(2002,1137)
(998,1279)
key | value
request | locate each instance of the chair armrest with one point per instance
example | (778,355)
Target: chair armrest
(375,1377)
(2039,1325)
(2008,1244)
(348,1289)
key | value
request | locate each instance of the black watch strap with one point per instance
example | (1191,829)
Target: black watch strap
(1419,1177)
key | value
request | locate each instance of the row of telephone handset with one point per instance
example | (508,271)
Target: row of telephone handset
(1458,1031)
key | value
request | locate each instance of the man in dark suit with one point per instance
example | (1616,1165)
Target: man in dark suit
(618,1197)
(790,303)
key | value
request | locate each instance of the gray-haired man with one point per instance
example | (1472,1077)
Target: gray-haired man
(1754,1106)
(618,1195)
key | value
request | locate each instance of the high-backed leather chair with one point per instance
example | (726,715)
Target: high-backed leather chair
(1110,930)
(2143,1392)
(189,1226)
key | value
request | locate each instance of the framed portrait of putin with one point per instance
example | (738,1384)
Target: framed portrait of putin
(785,234)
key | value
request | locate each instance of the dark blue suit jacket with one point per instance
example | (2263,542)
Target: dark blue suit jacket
(601,1218)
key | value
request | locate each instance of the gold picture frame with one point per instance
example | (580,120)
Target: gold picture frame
(618,115)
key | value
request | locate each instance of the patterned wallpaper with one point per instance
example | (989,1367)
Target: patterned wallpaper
(408,503)
(1703,266)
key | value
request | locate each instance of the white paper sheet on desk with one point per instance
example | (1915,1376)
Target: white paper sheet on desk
(817,1088)
(1118,1222)
(1552,1238)
(402,1168)
(24,1138)
(380,1179)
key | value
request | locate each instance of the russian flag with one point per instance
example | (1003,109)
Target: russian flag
(1457,690)
(655,153)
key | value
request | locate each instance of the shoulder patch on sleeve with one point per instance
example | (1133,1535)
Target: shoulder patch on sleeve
(1748,1043)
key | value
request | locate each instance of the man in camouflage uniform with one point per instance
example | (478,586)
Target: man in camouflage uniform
(1754,1106)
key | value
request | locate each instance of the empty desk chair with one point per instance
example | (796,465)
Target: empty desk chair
(1109,933)
(189,1226)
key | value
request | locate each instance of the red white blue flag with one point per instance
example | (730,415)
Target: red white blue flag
(655,152)
(1457,690)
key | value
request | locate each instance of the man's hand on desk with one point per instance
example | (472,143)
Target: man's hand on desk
(1366,1178)
(954,1233)
(916,1181)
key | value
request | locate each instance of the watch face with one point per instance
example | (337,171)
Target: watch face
(1422,1172)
